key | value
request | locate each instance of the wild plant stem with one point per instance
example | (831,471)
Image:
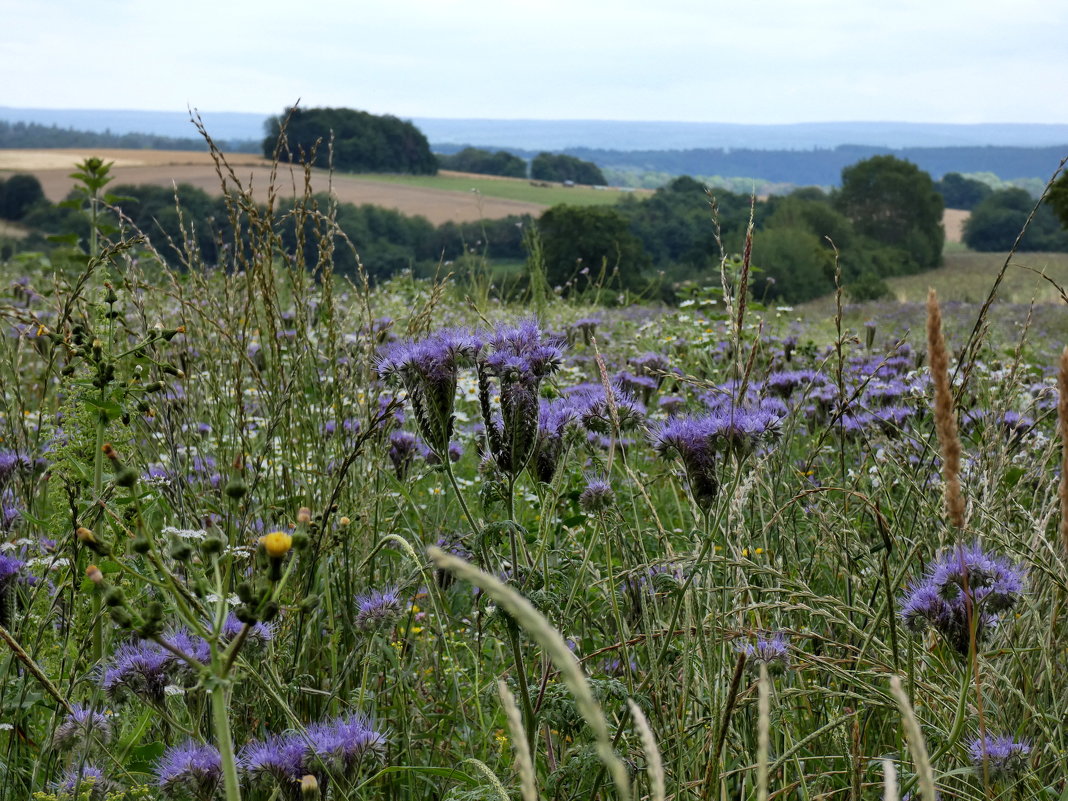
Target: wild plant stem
(224,740)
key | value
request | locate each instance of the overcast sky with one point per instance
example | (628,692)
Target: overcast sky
(743,61)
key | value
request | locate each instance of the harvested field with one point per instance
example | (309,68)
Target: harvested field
(953,221)
(164,168)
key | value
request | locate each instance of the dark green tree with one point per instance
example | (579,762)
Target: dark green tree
(561,167)
(18,194)
(1057,199)
(581,242)
(363,142)
(483,162)
(959,192)
(996,222)
(894,203)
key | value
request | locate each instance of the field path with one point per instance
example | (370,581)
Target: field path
(167,167)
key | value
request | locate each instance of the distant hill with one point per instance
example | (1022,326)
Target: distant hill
(539,135)
(798,154)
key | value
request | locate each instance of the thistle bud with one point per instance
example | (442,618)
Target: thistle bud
(126,477)
(309,787)
(304,515)
(300,540)
(94,575)
(235,488)
(212,546)
(344,522)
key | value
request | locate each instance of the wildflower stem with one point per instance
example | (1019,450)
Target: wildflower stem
(224,739)
(475,528)
(524,690)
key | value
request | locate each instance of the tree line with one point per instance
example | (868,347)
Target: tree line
(885,220)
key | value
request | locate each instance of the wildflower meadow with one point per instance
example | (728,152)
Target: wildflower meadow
(269,532)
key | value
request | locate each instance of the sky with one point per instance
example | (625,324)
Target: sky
(746,61)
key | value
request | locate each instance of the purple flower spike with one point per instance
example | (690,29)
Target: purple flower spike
(773,651)
(965,584)
(378,609)
(1005,757)
(190,769)
(281,758)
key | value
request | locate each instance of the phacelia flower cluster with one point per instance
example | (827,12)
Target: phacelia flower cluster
(1005,756)
(965,587)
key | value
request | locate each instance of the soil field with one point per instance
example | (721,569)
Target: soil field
(164,168)
(953,221)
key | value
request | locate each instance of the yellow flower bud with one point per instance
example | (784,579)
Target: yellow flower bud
(277,544)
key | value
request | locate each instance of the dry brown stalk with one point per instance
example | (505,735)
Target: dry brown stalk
(945,413)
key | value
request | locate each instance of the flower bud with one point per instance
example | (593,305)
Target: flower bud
(94,575)
(309,787)
(304,515)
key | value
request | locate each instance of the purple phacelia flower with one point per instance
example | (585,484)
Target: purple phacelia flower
(190,769)
(593,407)
(428,369)
(139,668)
(279,757)
(597,495)
(1005,757)
(77,781)
(346,743)
(555,417)
(518,358)
(82,726)
(403,446)
(966,586)
(378,609)
(773,651)
(259,634)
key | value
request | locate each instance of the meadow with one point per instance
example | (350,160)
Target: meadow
(270,532)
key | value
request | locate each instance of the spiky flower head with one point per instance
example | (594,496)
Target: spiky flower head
(141,669)
(83,726)
(597,495)
(554,418)
(378,609)
(346,743)
(279,757)
(518,358)
(1005,756)
(85,782)
(190,769)
(966,586)
(773,651)
(428,369)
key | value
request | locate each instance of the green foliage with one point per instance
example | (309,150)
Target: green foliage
(362,142)
(960,192)
(18,194)
(561,167)
(476,160)
(895,203)
(996,222)
(1057,199)
(590,242)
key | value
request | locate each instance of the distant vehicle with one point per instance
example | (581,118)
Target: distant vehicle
(569,183)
